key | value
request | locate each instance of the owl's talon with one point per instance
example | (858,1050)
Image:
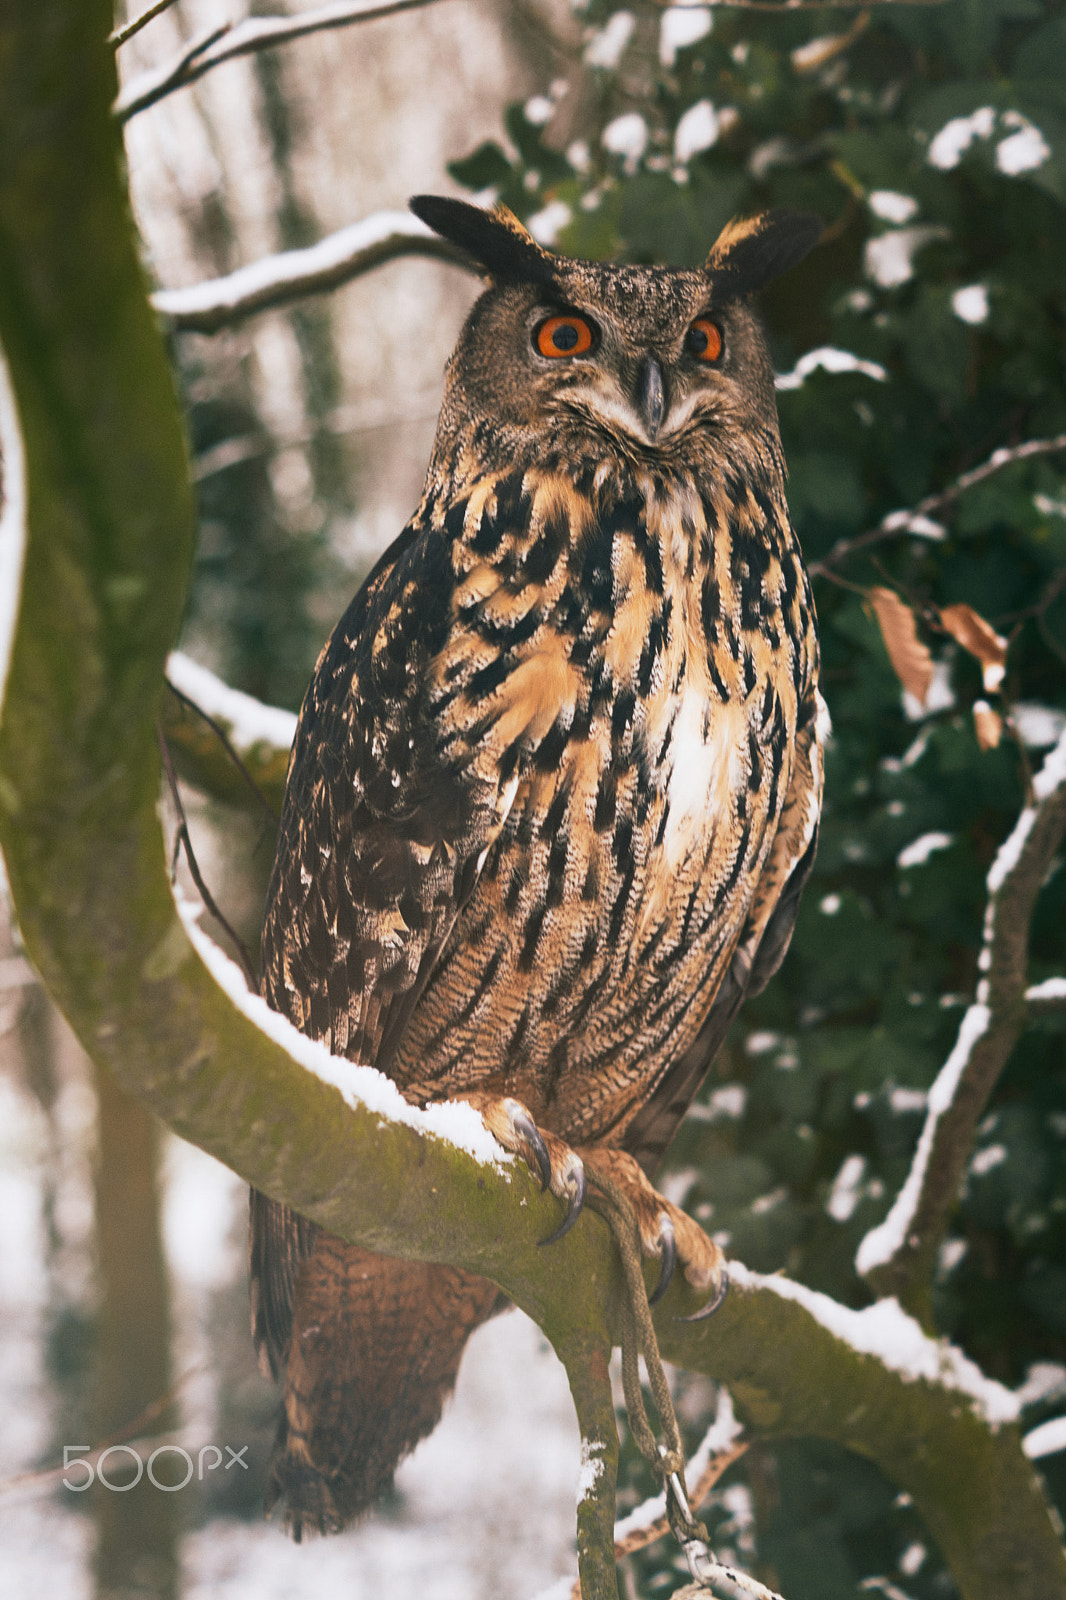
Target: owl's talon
(668,1242)
(712,1305)
(523,1124)
(576,1189)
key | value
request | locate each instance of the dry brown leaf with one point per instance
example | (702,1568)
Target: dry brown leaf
(988,725)
(910,658)
(979,637)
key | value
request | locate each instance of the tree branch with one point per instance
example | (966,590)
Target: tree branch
(919,519)
(235,39)
(279,279)
(898,1255)
(98,519)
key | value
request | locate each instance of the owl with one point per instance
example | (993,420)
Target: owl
(553,796)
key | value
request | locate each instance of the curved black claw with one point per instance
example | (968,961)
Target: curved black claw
(524,1125)
(577,1187)
(668,1242)
(712,1305)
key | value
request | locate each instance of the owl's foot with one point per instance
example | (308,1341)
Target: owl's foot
(559,1168)
(667,1234)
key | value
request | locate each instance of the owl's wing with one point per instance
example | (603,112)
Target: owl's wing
(381,834)
(380,845)
(761,948)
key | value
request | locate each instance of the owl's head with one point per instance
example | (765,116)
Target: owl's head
(647,356)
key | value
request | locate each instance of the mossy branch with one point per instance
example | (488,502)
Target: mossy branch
(108,526)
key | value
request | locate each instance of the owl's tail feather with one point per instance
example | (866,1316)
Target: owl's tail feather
(375,1348)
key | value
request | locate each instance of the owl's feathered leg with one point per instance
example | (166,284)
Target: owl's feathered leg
(374,1353)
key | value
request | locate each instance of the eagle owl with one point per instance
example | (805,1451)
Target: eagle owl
(553,796)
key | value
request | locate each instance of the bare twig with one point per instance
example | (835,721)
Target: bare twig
(133,1432)
(120,35)
(243,39)
(918,520)
(898,1255)
(220,734)
(182,840)
(279,279)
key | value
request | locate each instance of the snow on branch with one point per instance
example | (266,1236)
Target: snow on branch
(247,721)
(233,39)
(919,520)
(893,1338)
(1046,997)
(279,279)
(897,1256)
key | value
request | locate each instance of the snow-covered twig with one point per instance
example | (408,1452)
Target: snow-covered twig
(242,39)
(898,1255)
(919,519)
(120,35)
(1047,997)
(279,279)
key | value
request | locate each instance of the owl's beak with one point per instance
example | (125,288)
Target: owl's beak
(651,396)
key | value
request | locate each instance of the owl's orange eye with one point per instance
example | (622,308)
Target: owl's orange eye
(704,340)
(566,335)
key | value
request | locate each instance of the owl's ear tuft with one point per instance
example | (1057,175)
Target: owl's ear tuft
(496,239)
(751,252)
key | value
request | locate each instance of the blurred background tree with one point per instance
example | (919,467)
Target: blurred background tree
(926,335)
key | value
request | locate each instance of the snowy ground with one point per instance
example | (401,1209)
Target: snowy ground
(485,1507)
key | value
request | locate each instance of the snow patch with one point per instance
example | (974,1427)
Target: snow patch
(546,225)
(728,1101)
(889,259)
(970,304)
(538,110)
(605,48)
(697,130)
(1047,1440)
(1052,774)
(891,206)
(829,359)
(626,136)
(948,147)
(680,27)
(1023,151)
(758,1043)
(361,1087)
(592,1467)
(917,853)
(846,1191)
(1037,725)
(247,721)
(1045,1380)
(986,1160)
(1050,989)
(887,1333)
